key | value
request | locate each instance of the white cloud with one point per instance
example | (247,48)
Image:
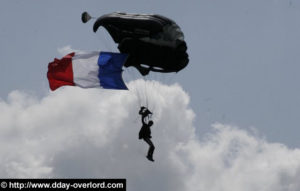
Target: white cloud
(66,50)
(82,133)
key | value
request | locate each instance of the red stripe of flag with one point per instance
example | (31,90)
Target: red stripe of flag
(60,72)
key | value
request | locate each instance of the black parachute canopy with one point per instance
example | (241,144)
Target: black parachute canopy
(153,42)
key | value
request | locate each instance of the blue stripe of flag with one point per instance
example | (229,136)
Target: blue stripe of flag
(110,70)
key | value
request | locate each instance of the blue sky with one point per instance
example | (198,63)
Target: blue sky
(243,66)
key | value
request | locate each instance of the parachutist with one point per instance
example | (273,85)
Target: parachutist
(145,132)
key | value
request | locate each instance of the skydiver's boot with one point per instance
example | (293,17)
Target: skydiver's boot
(150,158)
(150,153)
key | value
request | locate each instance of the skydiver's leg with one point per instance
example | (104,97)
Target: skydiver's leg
(151,148)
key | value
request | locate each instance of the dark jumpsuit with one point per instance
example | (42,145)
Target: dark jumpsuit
(145,133)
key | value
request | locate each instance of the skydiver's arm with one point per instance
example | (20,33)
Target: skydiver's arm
(143,120)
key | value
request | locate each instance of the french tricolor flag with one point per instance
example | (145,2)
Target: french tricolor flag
(88,70)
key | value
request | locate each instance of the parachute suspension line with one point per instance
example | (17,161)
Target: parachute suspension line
(133,90)
(139,98)
(150,88)
(130,75)
(136,93)
(145,91)
(139,95)
(156,77)
(140,90)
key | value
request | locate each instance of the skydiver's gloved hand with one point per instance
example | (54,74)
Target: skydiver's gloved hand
(141,110)
(144,111)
